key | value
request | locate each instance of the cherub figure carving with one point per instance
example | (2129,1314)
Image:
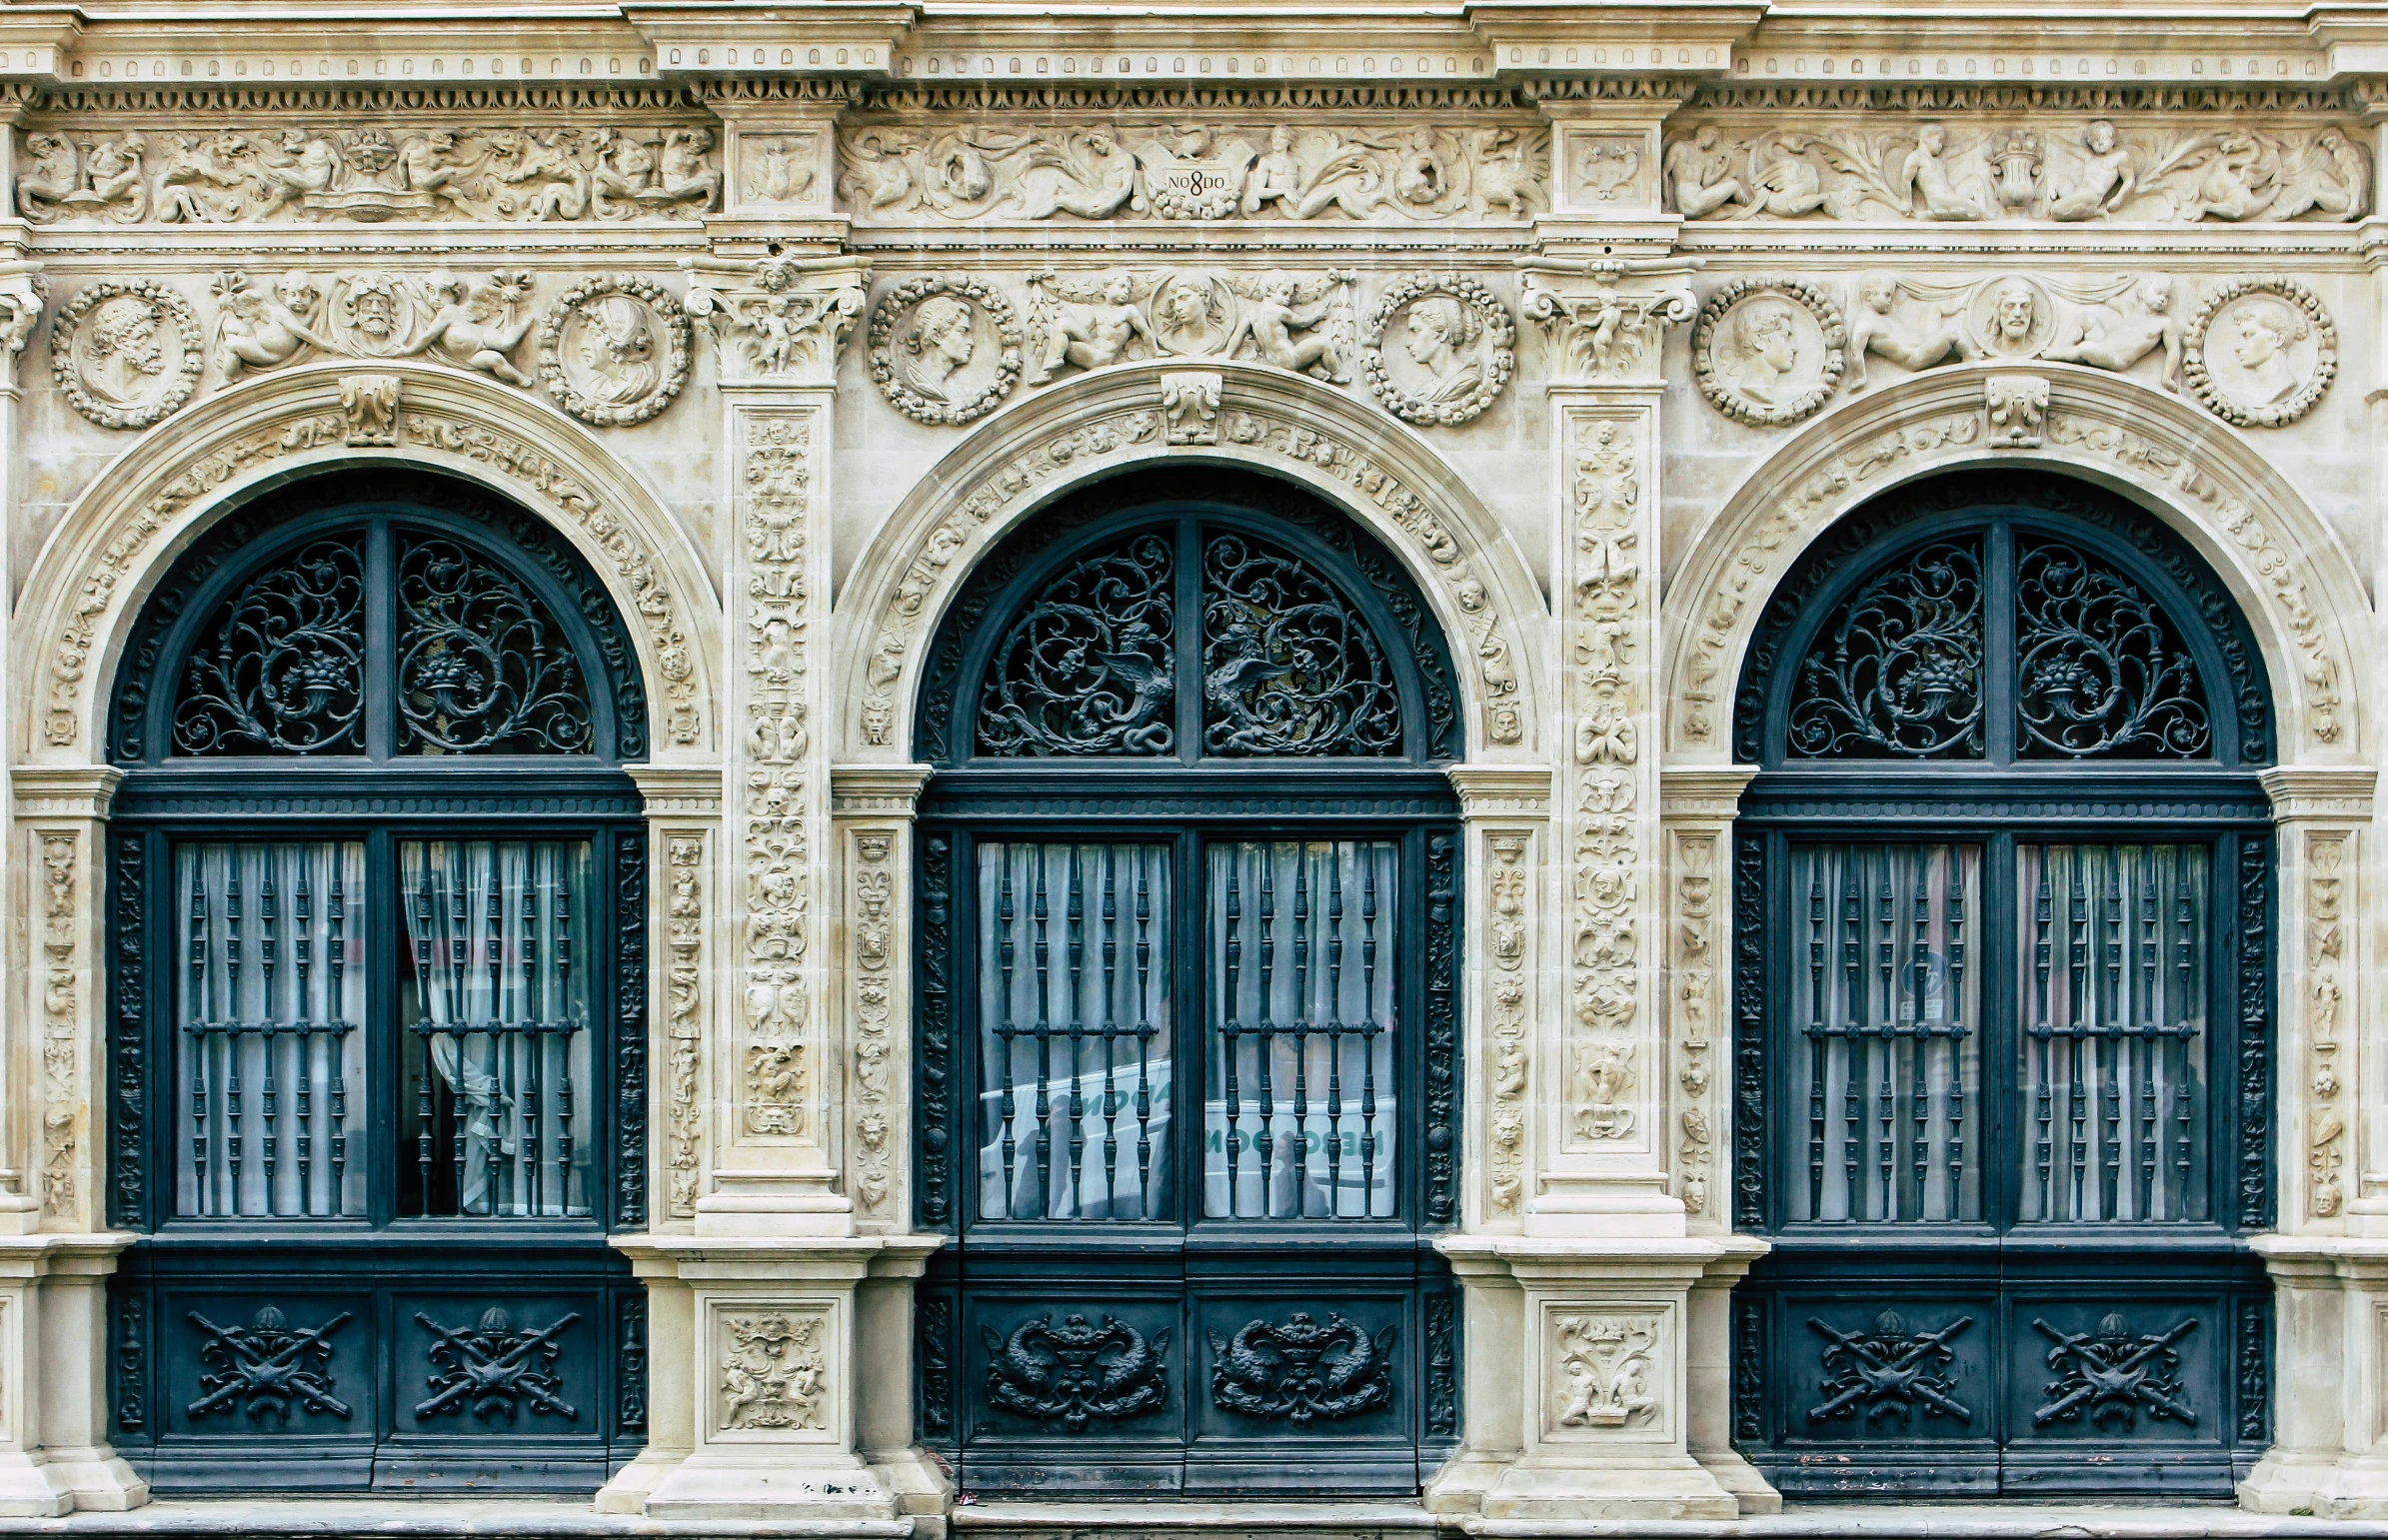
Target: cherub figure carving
(1275,313)
(2101,185)
(1699,179)
(483,327)
(304,163)
(1940,191)
(2119,336)
(258,330)
(1090,333)
(1879,325)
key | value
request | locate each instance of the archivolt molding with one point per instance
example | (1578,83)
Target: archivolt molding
(146,508)
(2282,563)
(1482,593)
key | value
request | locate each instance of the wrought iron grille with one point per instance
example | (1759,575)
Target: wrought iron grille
(495,1012)
(1289,666)
(1889,1055)
(1089,667)
(2113,1045)
(2100,669)
(279,666)
(1896,673)
(481,666)
(270,1072)
(1302,1052)
(1076,1033)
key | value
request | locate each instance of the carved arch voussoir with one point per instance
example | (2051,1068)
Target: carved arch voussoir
(125,532)
(2283,565)
(1284,425)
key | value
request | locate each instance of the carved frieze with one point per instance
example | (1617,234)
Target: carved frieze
(773,1372)
(368,175)
(61,1025)
(127,354)
(2019,170)
(944,348)
(1304,322)
(902,172)
(614,350)
(1768,351)
(683,1018)
(1439,348)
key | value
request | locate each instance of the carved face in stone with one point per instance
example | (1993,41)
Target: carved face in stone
(2264,336)
(615,348)
(941,343)
(1880,293)
(2017,309)
(1932,139)
(2099,137)
(1439,336)
(124,349)
(1769,346)
(374,309)
(1118,291)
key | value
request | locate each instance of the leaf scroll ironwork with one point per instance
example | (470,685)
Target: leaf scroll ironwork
(1290,666)
(2099,670)
(482,666)
(283,668)
(1897,672)
(1090,667)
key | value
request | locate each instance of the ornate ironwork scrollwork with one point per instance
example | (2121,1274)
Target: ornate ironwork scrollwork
(1077,1371)
(1090,667)
(1289,666)
(2099,667)
(1897,672)
(482,666)
(1302,1371)
(283,668)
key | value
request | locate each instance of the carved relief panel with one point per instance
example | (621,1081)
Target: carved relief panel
(1610,1370)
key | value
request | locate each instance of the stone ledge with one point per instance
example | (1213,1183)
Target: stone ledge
(417,1518)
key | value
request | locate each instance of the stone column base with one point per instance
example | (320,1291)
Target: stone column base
(2329,1454)
(2350,1487)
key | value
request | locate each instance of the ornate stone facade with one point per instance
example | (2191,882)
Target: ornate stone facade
(1596,323)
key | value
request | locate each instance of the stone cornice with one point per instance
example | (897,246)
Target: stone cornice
(1707,792)
(64,791)
(861,790)
(1503,790)
(2311,793)
(678,789)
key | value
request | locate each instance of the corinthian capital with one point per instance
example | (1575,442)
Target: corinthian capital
(779,319)
(1609,317)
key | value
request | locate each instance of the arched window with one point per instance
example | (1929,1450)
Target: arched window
(378,1036)
(1187,1051)
(2003,904)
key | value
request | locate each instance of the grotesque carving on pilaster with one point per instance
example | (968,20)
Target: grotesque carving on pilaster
(1507,935)
(61,1025)
(2325,1011)
(1439,348)
(773,1372)
(683,1018)
(1693,980)
(871,927)
(944,348)
(1607,1370)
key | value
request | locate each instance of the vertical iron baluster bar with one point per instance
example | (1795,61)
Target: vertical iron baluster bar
(1265,1143)
(233,963)
(560,925)
(1301,1042)
(202,1168)
(303,947)
(1077,1023)
(2151,1040)
(1370,1027)
(2043,1095)
(1852,1033)
(453,969)
(1144,1031)
(532,1010)
(1231,1032)
(1955,924)
(1819,1045)
(1041,954)
(335,1012)
(2078,985)
(1006,953)
(1885,1096)
(2184,954)
(2110,1066)
(1111,1030)
(1921,1109)
(1335,1036)
(267,1090)
(501,1042)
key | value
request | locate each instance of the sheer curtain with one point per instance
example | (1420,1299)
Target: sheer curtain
(1301,1116)
(496,1013)
(269,1074)
(2112,948)
(1074,1031)
(1885,1001)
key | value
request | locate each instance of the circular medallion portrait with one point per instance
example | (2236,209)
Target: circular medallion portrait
(1194,314)
(127,354)
(614,350)
(944,348)
(2011,318)
(1438,349)
(1768,350)
(2260,352)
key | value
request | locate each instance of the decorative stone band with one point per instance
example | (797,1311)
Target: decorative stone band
(2285,565)
(1266,419)
(443,418)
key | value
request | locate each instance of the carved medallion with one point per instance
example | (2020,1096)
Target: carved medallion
(127,355)
(1439,348)
(944,348)
(614,350)
(1768,351)
(1302,1370)
(2260,352)
(2011,318)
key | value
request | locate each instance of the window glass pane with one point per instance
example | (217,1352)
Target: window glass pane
(2113,1120)
(1300,1113)
(269,1071)
(495,1111)
(1886,992)
(1074,1033)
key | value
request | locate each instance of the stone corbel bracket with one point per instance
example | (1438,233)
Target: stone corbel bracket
(777,321)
